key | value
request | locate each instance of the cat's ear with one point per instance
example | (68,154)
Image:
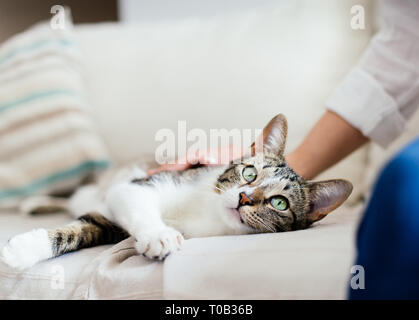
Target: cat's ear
(273,137)
(325,196)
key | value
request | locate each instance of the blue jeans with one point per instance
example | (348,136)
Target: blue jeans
(388,236)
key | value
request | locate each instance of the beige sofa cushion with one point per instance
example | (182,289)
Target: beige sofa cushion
(307,264)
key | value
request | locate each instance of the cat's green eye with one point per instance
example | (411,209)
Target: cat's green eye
(279,203)
(249,174)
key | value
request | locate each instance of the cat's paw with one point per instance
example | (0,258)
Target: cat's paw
(26,249)
(158,243)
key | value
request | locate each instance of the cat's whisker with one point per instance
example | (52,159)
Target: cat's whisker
(266,226)
(260,221)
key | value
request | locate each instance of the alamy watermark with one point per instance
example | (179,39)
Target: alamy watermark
(358,278)
(358,17)
(59,12)
(183,146)
(59,18)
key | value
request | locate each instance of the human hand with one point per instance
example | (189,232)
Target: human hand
(209,157)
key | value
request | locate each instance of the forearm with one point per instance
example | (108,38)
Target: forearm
(328,142)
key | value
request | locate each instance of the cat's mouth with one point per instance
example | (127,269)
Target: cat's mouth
(236,214)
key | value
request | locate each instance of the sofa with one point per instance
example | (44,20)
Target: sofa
(233,70)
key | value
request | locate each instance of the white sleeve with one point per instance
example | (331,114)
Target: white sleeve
(382,92)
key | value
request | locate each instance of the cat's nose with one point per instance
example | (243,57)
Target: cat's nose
(244,199)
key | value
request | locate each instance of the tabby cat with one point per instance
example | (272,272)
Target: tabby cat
(259,193)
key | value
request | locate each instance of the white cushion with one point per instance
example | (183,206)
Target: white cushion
(47,142)
(308,264)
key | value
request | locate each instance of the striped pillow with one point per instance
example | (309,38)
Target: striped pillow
(47,141)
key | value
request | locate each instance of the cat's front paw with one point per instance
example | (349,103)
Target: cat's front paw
(26,249)
(158,243)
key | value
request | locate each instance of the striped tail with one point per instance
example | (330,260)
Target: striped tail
(89,230)
(92,229)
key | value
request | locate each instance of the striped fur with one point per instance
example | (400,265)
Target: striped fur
(89,230)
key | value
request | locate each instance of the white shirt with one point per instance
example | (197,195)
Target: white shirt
(382,92)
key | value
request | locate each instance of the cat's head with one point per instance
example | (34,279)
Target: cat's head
(263,194)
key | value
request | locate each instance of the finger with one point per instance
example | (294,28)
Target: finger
(169,167)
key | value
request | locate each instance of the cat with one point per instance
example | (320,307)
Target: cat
(259,193)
